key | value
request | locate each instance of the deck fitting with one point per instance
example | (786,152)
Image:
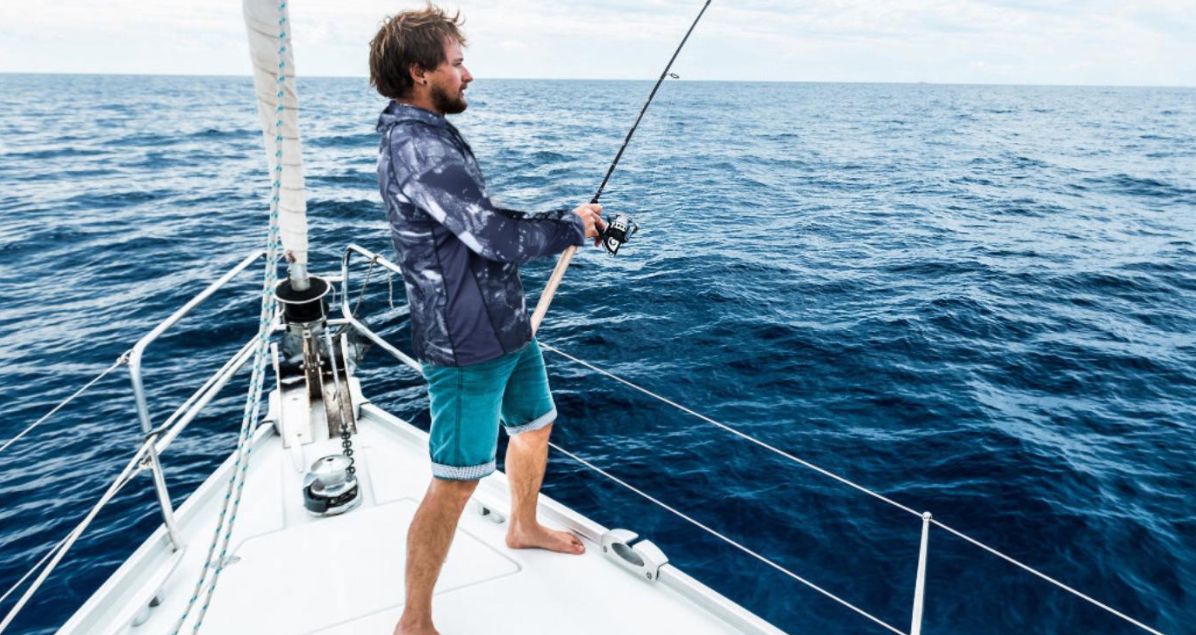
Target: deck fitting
(643,558)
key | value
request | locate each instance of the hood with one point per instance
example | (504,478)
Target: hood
(397,113)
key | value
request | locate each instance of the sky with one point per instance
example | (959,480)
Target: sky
(1084,42)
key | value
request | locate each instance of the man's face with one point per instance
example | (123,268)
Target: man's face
(448,81)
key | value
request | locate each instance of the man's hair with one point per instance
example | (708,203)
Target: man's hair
(411,37)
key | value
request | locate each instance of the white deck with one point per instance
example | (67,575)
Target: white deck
(295,573)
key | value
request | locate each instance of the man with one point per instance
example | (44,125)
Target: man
(470,328)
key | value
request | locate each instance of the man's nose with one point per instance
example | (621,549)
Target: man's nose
(466,77)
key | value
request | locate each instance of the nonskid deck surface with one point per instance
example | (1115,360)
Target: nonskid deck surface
(289,572)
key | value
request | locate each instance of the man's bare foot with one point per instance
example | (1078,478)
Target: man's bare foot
(540,537)
(404,628)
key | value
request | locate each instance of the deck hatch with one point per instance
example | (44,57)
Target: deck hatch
(335,570)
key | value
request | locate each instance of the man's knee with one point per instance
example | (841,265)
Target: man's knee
(452,489)
(539,436)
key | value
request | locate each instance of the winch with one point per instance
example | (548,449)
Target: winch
(330,486)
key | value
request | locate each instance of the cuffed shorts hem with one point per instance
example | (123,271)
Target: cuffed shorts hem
(535,424)
(470,403)
(467,473)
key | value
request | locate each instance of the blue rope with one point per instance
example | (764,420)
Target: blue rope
(222,536)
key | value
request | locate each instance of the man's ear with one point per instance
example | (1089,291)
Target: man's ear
(418,74)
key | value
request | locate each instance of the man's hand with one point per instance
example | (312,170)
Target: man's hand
(591,214)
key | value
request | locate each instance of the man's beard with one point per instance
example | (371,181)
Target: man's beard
(447,104)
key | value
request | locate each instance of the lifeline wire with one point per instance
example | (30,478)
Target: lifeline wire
(34,568)
(828,474)
(728,540)
(67,542)
(30,572)
(124,358)
(1044,576)
(735,432)
(643,110)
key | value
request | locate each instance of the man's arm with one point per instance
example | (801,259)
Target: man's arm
(438,182)
(556,214)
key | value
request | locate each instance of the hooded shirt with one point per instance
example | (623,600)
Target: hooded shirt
(460,253)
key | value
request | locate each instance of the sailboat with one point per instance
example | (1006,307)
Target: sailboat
(302,528)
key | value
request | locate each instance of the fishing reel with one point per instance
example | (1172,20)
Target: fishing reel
(618,231)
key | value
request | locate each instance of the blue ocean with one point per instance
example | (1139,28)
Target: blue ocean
(978,301)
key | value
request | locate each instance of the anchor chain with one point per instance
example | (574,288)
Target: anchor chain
(347,447)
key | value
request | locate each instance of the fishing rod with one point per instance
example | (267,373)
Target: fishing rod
(621,227)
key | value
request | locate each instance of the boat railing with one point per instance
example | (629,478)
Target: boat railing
(925,518)
(349,314)
(142,403)
(156,439)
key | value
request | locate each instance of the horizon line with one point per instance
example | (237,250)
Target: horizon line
(610,79)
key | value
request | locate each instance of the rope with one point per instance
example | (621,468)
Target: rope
(222,536)
(727,540)
(829,474)
(119,361)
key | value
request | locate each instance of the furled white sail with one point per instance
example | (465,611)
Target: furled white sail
(269,26)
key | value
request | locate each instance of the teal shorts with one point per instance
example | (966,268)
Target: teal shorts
(469,402)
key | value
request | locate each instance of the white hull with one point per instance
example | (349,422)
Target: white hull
(291,572)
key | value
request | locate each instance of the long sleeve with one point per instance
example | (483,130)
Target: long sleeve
(561,214)
(441,183)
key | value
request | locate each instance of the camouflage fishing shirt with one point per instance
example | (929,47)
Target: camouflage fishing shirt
(460,253)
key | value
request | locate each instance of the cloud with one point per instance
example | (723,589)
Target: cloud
(1018,41)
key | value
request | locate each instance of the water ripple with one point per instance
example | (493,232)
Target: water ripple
(976,300)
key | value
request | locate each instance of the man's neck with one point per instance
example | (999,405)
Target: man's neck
(423,102)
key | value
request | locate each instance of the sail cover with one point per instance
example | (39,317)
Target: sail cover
(269,26)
